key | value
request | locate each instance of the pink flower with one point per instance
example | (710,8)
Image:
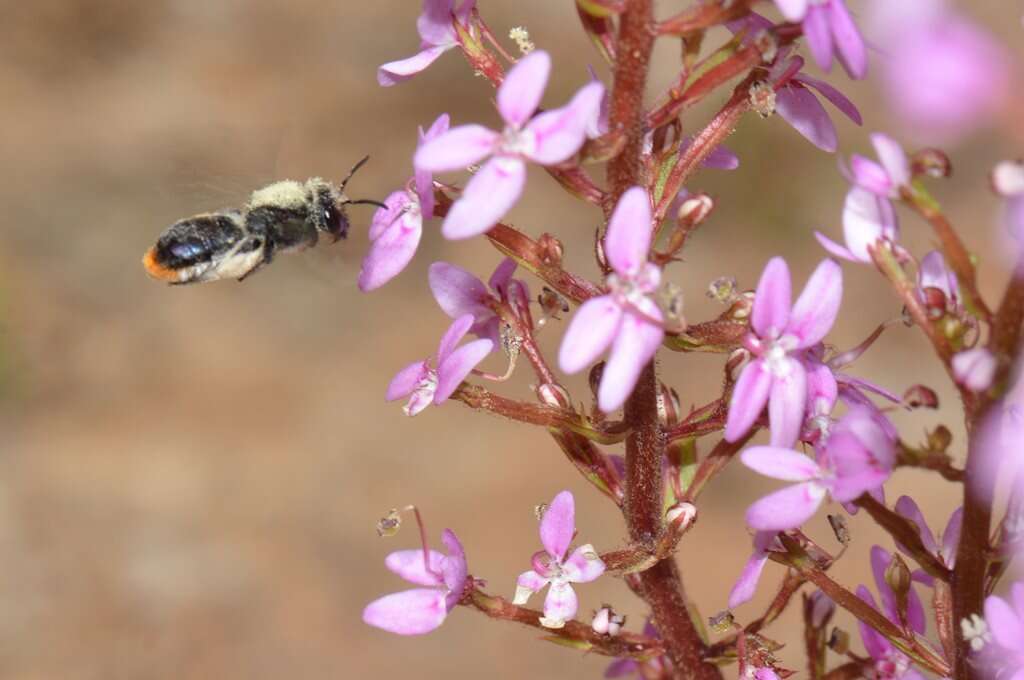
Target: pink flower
(935,275)
(421,610)
(868,214)
(889,662)
(458,293)
(436,26)
(1006,625)
(794,100)
(552,568)
(857,457)
(425,385)
(626,319)
(945,553)
(974,368)
(779,331)
(548,139)
(746,585)
(830,32)
(395,230)
(943,75)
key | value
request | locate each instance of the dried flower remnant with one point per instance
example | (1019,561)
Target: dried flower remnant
(626,319)
(555,567)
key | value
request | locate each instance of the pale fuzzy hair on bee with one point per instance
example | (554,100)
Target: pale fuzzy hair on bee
(287,194)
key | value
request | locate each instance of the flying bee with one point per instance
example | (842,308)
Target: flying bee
(283,217)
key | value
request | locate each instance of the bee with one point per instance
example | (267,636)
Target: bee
(283,217)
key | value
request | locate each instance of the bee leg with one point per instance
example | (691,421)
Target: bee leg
(268,257)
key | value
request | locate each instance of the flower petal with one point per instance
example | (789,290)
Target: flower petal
(876,645)
(834,248)
(560,605)
(454,369)
(1006,627)
(591,331)
(529,582)
(772,300)
(410,612)
(746,585)
(635,345)
(786,508)
(557,135)
(406,380)
(628,239)
(558,525)
(855,468)
(786,404)
(838,99)
(456,331)
(458,292)
(951,538)
(391,252)
(435,23)
(456,149)
(870,175)
(974,368)
(502,275)
(749,396)
(453,568)
(409,565)
(906,506)
(394,205)
(893,158)
(491,192)
(817,307)
(519,94)
(583,565)
(866,218)
(798,107)
(395,72)
(620,668)
(780,463)
(848,42)
(793,10)
(819,36)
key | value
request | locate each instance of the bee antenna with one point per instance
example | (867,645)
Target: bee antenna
(351,172)
(367,201)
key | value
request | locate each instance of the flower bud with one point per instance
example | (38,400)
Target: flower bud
(1008,178)
(974,368)
(897,577)
(939,439)
(607,622)
(931,162)
(681,516)
(551,250)
(839,641)
(919,396)
(820,608)
(694,210)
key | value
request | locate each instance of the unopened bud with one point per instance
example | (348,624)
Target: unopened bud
(669,406)
(552,303)
(390,524)
(839,641)
(934,300)
(975,368)
(722,621)
(840,528)
(741,307)
(553,395)
(694,210)
(762,98)
(931,162)
(607,622)
(681,516)
(919,396)
(551,250)
(897,577)
(939,439)
(767,44)
(1008,178)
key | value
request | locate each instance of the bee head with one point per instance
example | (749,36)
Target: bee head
(327,208)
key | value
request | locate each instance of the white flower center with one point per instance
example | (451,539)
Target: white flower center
(776,356)
(422,395)
(517,142)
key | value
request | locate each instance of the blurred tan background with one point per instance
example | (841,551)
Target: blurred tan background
(190,477)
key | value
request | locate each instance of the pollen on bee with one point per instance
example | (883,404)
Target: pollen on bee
(157,270)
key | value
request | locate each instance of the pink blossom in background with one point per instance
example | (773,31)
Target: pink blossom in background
(944,552)
(868,212)
(794,99)
(943,75)
(395,231)
(830,32)
(779,331)
(459,293)
(857,457)
(555,567)
(437,35)
(889,662)
(424,384)
(547,139)
(1008,182)
(626,319)
(421,610)
(1005,621)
